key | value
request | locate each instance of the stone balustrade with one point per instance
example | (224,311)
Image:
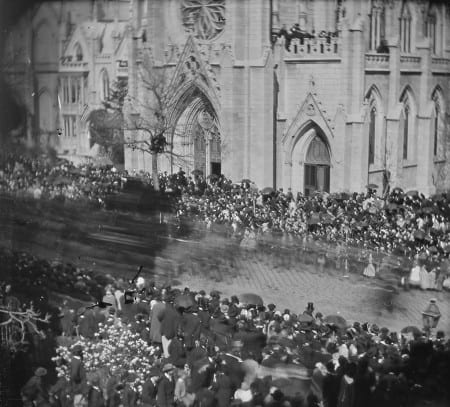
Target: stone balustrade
(377,62)
(316,47)
(440,64)
(70,66)
(410,62)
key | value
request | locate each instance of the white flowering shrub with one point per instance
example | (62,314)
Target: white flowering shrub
(115,347)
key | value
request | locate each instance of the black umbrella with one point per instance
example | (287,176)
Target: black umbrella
(197,172)
(246,181)
(250,299)
(371,186)
(267,191)
(419,235)
(411,329)
(184,301)
(413,193)
(336,320)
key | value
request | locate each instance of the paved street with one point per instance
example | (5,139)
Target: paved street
(119,244)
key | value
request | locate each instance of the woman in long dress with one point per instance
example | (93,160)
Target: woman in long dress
(369,271)
(424,279)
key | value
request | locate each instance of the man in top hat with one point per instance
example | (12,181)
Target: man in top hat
(166,387)
(78,376)
(95,393)
(33,393)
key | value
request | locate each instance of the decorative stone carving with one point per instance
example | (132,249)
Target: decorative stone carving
(205,120)
(310,110)
(205,19)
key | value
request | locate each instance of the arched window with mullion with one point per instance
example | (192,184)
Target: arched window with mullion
(405,29)
(406,130)
(372,130)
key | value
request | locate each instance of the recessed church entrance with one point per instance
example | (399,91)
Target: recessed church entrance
(317,167)
(196,146)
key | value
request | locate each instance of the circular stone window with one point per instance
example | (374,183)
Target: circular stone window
(205,18)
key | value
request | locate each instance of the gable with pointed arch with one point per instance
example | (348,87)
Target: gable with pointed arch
(309,113)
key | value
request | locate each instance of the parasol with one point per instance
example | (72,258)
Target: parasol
(267,191)
(250,299)
(411,329)
(197,172)
(392,206)
(184,301)
(371,186)
(336,320)
(413,192)
(419,235)
(305,319)
(61,180)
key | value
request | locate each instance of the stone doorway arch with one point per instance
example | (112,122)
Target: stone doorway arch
(195,141)
(311,162)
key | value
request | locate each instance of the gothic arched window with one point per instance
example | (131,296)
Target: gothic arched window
(377,25)
(432,31)
(405,29)
(437,124)
(104,85)
(78,53)
(406,112)
(372,130)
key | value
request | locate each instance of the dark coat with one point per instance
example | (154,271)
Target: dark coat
(166,393)
(77,376)
(223,389)
(177,352)
(34,390)
(149,391)
(129,397)
(170,322)
(331,389)
(191,326)
(95,397)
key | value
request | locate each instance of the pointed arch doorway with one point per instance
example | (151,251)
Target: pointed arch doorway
(310,161)
(196,142)
(317,167)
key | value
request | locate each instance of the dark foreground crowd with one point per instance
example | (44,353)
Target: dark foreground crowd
(214,351)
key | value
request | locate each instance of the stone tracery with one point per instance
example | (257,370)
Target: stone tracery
(205,18)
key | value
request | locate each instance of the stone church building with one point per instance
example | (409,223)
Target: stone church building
(328,95)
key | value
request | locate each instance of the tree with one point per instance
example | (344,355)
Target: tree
(148,116)
(106,125)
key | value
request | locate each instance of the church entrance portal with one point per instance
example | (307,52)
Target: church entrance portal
(317,167)
(196,140)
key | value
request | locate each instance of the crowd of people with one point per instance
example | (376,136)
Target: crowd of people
(206,350)
(403,223)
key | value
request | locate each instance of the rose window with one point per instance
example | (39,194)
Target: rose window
(205,18)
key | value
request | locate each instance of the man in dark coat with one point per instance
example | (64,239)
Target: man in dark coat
(149,389)
(78,375)
(330,386)
(191,325)
(170,321)
(95,393)
(222,387)
(166,388)
(177,350)
(33,393)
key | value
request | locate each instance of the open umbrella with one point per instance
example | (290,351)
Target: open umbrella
(391,206)
(197,172)
(413,192)
(184,301)
(397,189)
(267,191)
(61,180)
(336,320)
(411,329)
(305,319)
(246,181)
(419,235)
(250,299)
(371,186)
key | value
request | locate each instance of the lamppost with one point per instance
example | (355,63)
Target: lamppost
(431,316)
